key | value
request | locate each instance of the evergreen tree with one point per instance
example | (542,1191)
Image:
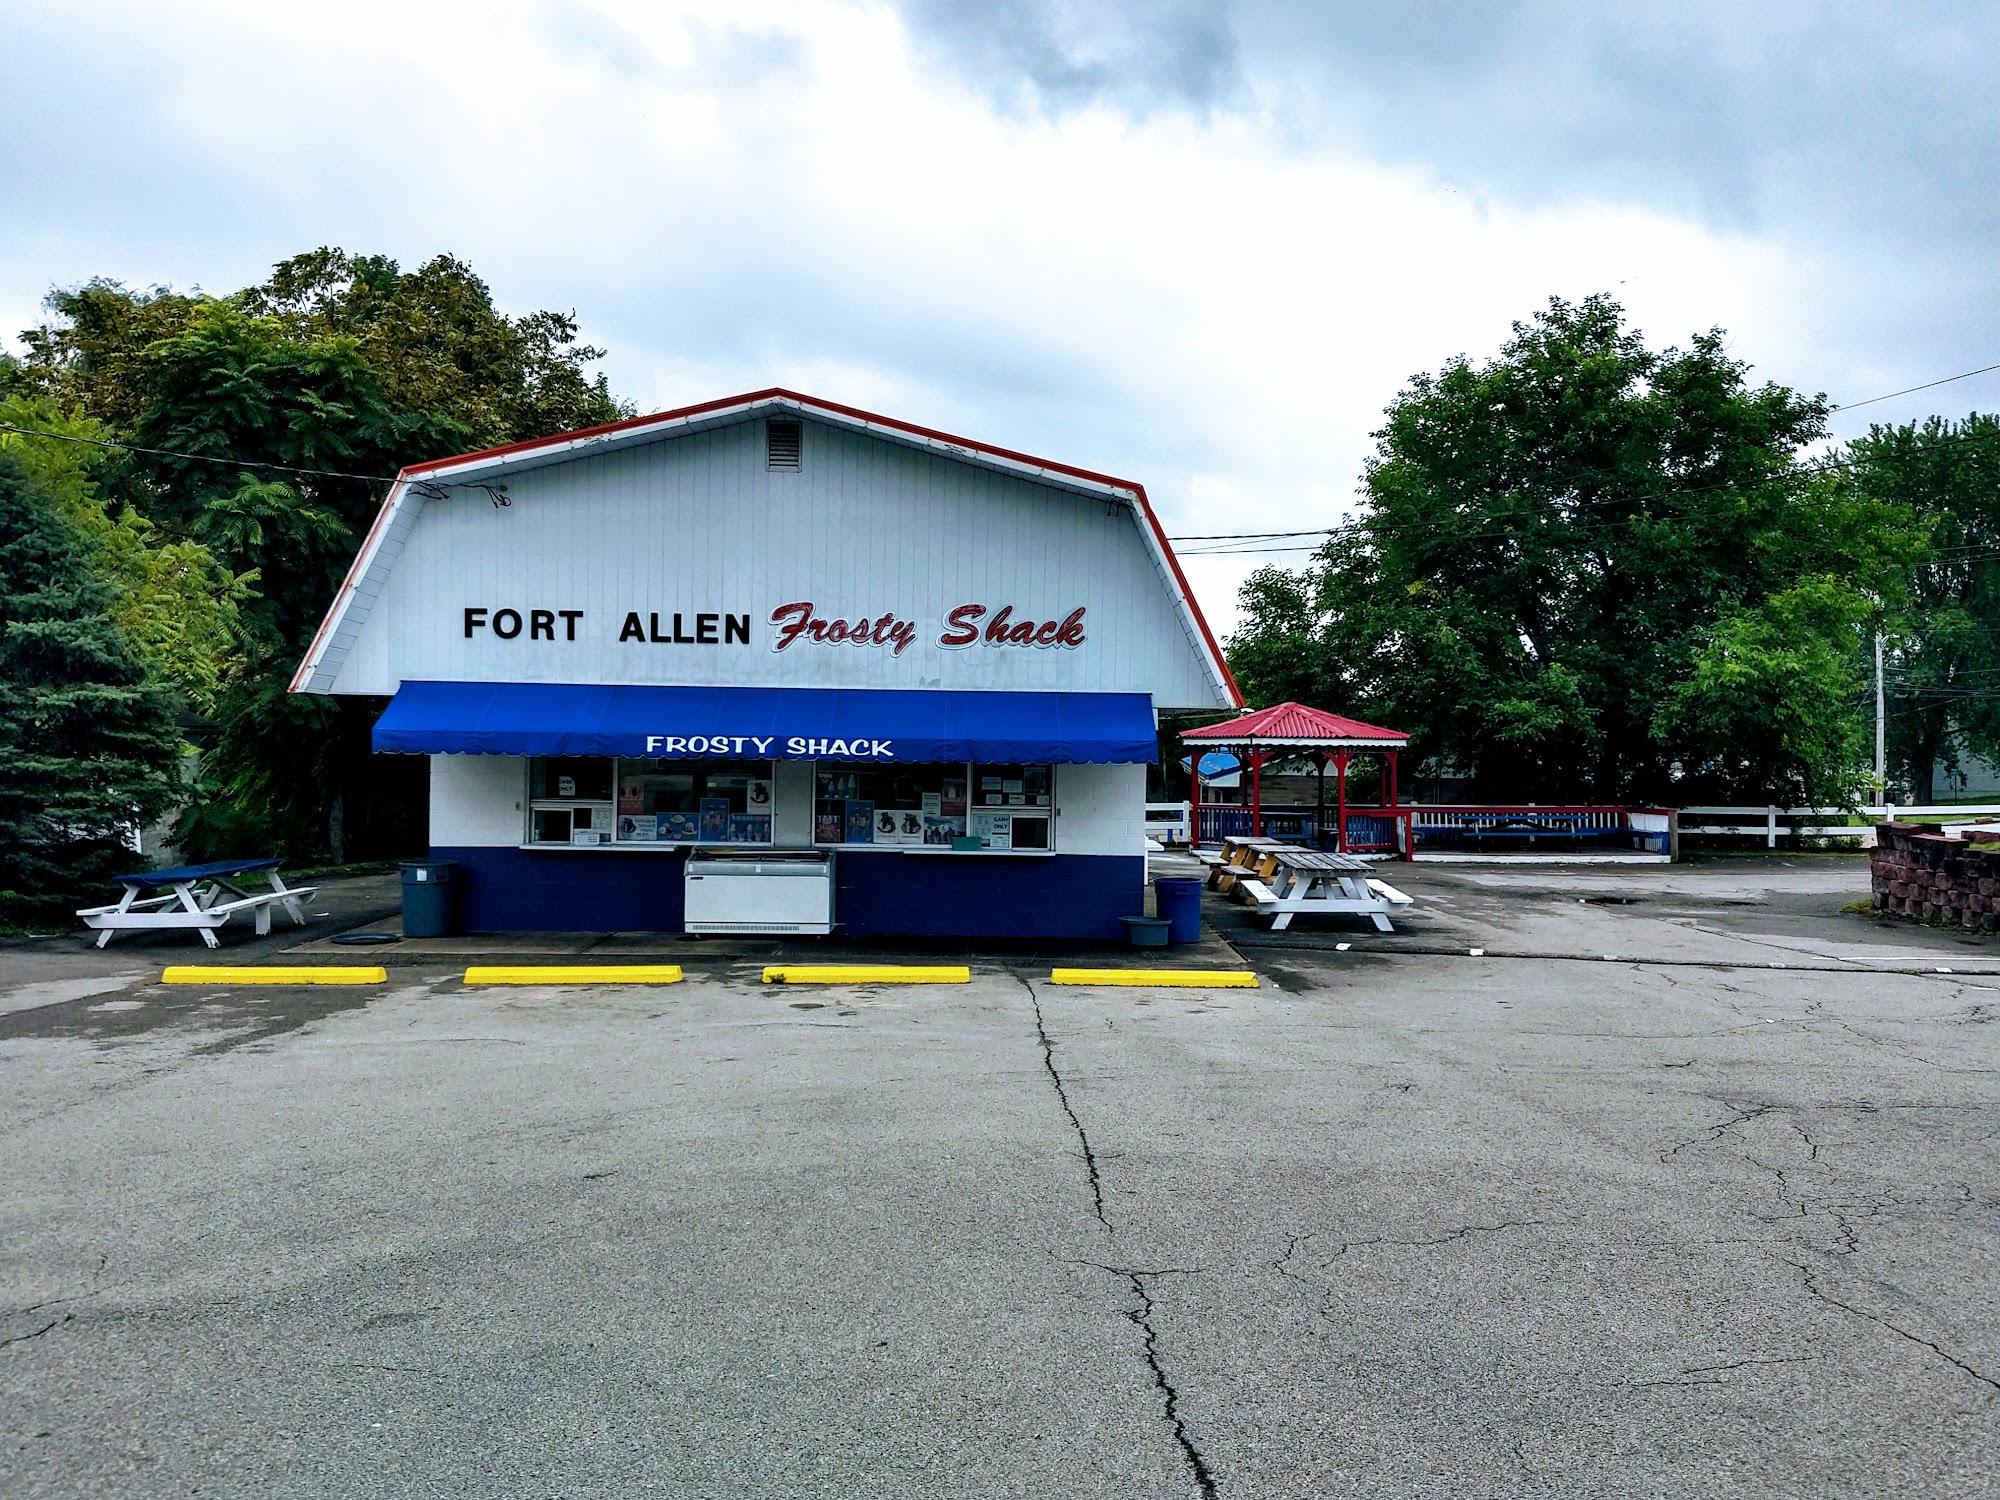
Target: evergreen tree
(88,749)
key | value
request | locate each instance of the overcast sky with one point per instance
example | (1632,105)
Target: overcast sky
(1196,243)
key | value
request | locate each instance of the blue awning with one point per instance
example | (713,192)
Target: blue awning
(687,723)
(1215,763)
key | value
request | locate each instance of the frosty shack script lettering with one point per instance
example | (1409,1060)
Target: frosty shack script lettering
(800,622)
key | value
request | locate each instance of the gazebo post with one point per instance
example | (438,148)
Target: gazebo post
(1319,802)
(1392,778)
(1194,815)
(1256,794)
(1340,777)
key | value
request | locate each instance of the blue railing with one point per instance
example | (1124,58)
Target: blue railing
(1367,832)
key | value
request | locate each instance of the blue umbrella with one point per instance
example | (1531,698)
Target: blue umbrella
(1215,763)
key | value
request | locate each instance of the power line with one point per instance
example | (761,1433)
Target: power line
(1243,537)
(1251,536)
(207,458)
(1381,524)
(1982,370)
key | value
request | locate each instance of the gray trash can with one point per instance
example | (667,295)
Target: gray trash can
(430,898)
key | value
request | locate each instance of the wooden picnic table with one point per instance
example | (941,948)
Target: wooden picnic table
(199,898)
(1239,854)
(1289,881)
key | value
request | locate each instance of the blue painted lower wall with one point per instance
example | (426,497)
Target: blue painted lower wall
(875,894)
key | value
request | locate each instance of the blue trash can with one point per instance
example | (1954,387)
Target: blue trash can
(430,898)
(1178,899)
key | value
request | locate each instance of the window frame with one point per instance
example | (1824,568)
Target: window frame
(533,804)
(969,770)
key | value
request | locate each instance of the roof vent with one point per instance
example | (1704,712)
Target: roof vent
(781,445)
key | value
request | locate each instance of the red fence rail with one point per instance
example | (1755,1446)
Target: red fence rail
(1437,826)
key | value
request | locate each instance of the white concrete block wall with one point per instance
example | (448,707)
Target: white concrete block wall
(1100,809)
(477,801)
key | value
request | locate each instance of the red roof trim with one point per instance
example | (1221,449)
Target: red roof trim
(348,584)
(1293,722)
(1194,606)
(779,393)
(774,393)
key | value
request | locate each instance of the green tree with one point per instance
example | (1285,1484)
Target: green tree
(439,344)
(88,749)
(87,359)
(433,337)
(231,390)
(1574,572)
(1943,658)
(334,363)
(176,606)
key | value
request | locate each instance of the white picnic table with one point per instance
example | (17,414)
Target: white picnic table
(1286,882)
(199,898)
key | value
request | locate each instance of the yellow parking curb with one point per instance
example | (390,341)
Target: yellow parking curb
(575,974)
(314,974)
(1177,979)
(865,974)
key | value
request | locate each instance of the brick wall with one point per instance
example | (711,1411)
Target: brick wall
(1928,877)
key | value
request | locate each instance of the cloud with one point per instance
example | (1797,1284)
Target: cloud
(1199,246)
(1173,52)
(1883,116)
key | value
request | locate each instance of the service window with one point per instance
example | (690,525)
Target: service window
(588,801)
(1012,806)
(694,802)
(889,806)
(569,800)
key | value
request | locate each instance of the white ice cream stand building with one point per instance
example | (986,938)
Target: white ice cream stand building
(775,664)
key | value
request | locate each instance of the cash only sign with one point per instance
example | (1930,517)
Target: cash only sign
(800,625)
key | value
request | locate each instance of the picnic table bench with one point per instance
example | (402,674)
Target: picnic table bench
(199,898)
(1286,882)
(1237,856)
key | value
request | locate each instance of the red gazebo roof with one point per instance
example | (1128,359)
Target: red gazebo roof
(1294,724)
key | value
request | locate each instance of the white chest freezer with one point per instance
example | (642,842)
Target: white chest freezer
(759,890)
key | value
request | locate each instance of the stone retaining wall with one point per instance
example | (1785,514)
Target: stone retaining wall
(1928,877)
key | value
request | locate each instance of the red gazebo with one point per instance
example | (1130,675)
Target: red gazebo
(1293,726)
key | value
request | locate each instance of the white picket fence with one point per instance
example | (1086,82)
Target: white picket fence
(1169,822)
(1772,823)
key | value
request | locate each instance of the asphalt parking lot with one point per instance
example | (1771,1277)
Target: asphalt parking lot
(1685,1186)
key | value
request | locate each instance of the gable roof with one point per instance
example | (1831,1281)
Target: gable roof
(1296,724)
(393,522)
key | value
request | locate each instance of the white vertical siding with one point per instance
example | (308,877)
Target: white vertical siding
(476,800)
(696,523)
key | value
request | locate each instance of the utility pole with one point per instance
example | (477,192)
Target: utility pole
(1881,739)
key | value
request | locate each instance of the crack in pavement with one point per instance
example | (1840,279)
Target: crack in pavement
(23,1338)
(1069,1110)
(1813,1288)
(1444,1239)
(1714,1133)
(1735,1364)
(1142,1319)
(1141,1315)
